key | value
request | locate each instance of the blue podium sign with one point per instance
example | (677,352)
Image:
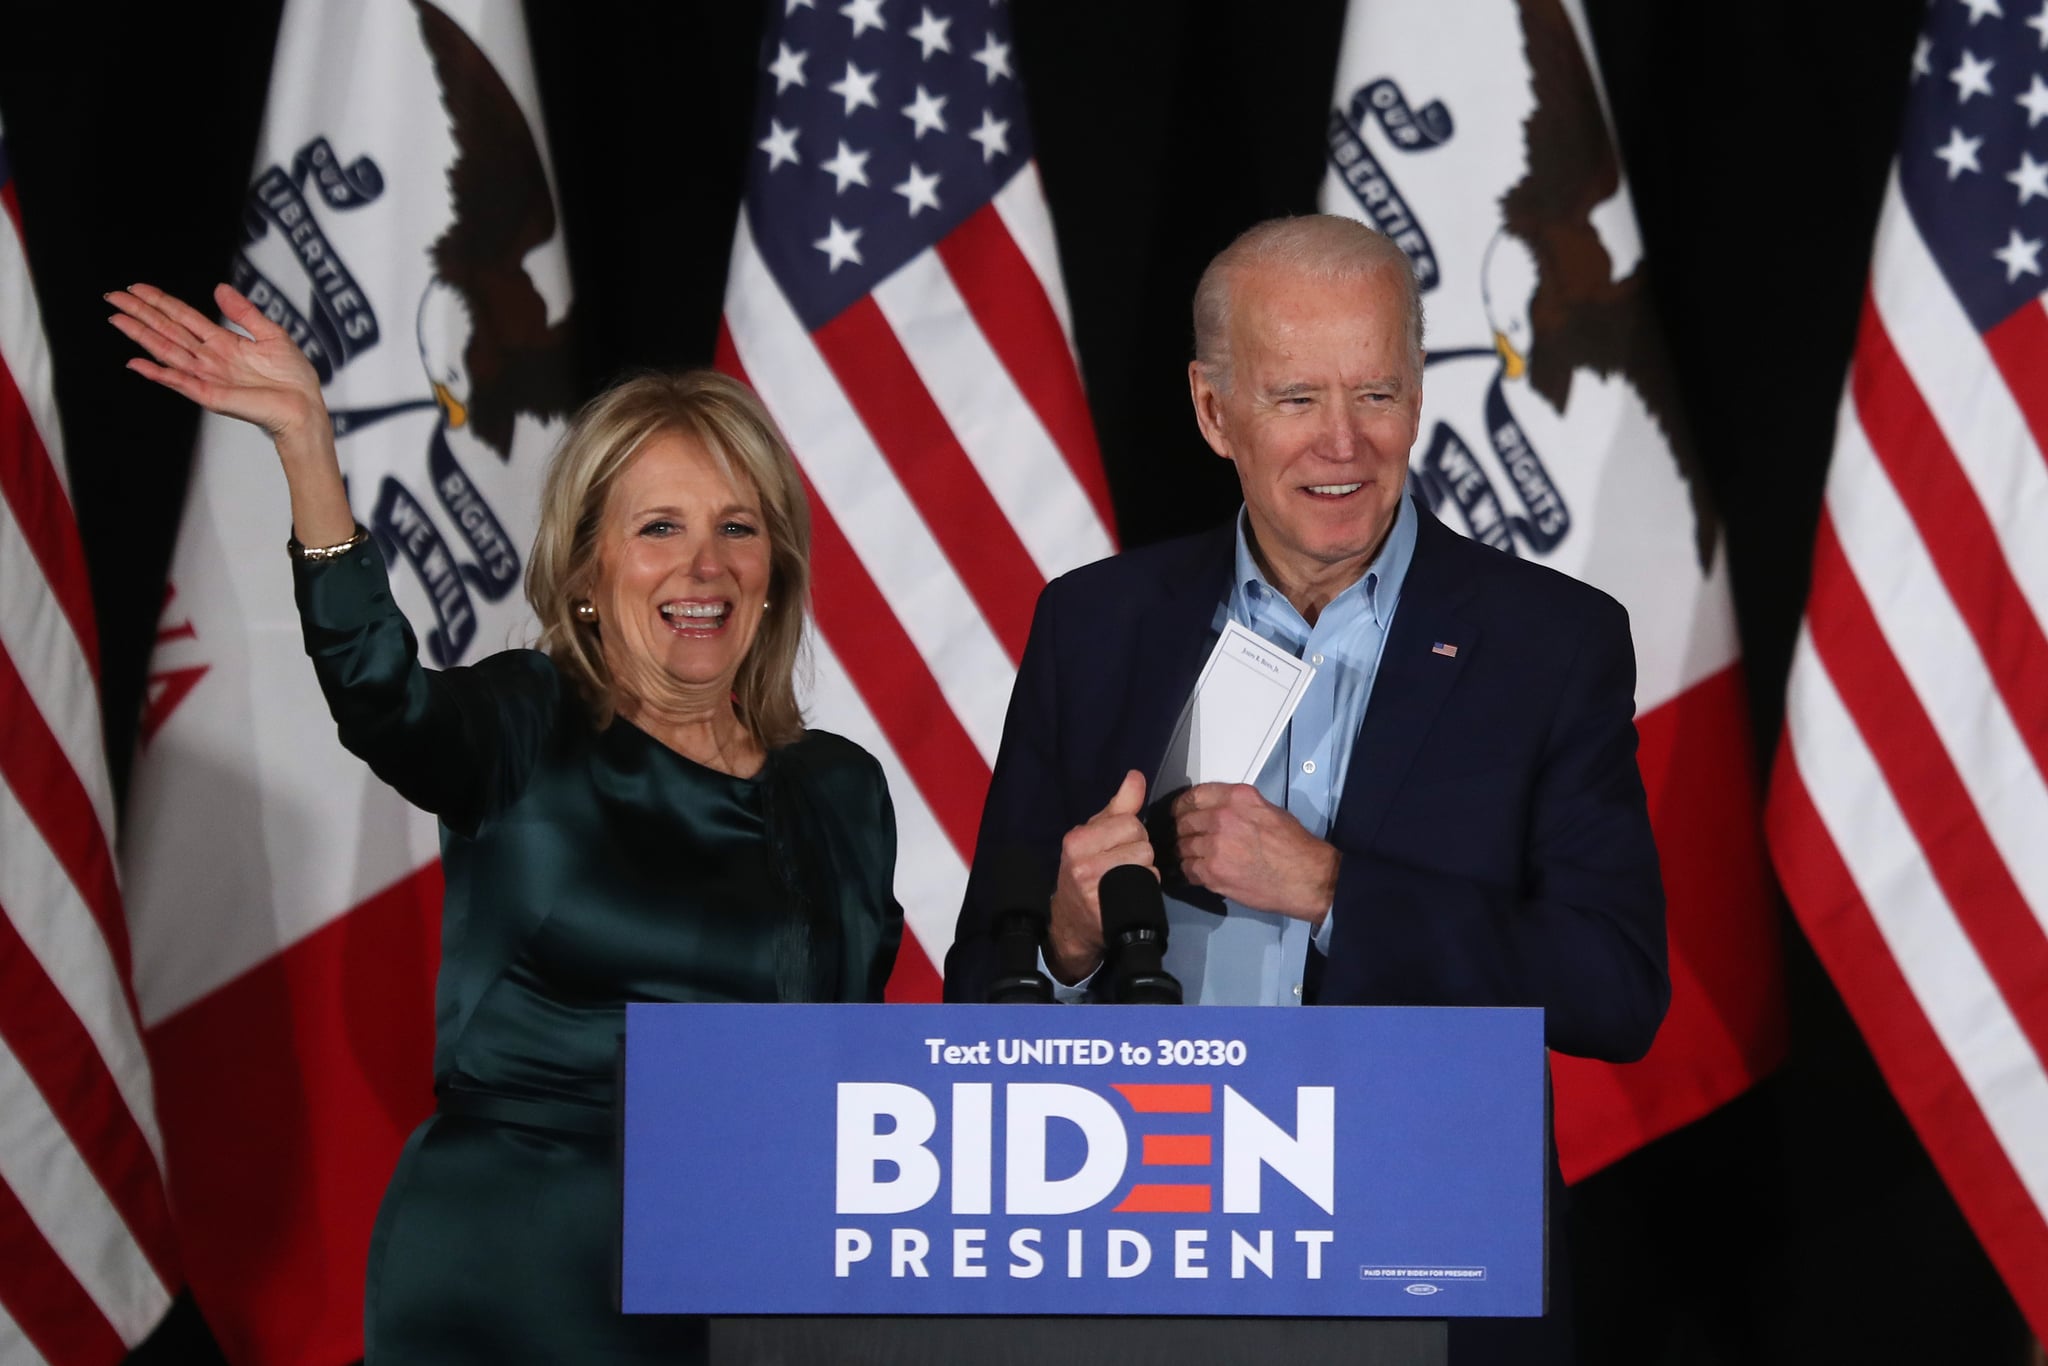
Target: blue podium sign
(1115,1160)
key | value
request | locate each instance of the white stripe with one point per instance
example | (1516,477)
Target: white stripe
(1971,403)
(1022,207)
(66,1203)
(24,349)
(37,637)
(15,1348)
(1940,658)
(1011,449)
(1941,967)
(857,485)
(63,938)
(930,877)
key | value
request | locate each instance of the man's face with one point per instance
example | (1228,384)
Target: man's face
(1322,408)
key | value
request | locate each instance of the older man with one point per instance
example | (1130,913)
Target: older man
(1454,816)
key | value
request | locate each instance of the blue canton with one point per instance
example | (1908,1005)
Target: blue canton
(1977,114)
(883,126)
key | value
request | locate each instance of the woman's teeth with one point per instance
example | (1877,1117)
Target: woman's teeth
(695,612)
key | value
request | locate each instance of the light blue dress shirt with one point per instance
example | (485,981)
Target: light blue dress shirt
(1251,957)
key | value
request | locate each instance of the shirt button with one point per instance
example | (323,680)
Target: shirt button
(1297,988)
(1308,765)
(1315,659)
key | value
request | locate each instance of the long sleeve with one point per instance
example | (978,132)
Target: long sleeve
(459,742)
(1572,921)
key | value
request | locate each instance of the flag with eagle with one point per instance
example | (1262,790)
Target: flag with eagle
(1475,135)
(284,905)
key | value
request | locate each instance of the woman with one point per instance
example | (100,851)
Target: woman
(632,812)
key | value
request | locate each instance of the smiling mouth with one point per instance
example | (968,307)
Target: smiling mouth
(1332,490)
(696,618)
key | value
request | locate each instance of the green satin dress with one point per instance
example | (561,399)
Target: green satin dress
(584,870)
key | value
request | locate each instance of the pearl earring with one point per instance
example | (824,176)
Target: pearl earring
(586,612)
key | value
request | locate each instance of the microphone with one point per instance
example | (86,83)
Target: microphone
(1018,930)
(1134,937)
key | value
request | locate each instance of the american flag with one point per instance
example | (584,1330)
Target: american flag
(87,1255)
(895,299)
(1909,811)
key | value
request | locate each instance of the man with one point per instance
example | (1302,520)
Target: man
(1454,817)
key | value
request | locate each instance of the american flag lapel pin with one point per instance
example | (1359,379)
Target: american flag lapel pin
(1447,651)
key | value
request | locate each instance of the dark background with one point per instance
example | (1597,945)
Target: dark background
(1802,1223)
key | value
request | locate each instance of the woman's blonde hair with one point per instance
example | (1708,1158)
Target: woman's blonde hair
(730,423)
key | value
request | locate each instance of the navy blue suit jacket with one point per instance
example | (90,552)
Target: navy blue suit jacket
(1496,843)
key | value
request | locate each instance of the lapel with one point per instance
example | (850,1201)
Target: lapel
(1412,684)
(1173,641)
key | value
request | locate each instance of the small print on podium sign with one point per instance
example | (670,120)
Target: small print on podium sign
(1113,1160)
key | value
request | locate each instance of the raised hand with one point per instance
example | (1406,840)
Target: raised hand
(262,378)
(1112,836)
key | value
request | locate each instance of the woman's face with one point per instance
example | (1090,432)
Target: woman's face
(682,573)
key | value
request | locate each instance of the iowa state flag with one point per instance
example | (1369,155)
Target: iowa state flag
(284,904)
(1473,133)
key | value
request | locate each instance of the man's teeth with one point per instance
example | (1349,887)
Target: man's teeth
(696,611)
(1335,489)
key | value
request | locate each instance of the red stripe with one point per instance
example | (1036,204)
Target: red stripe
(1920,1071)
(41,1295)
(2019,348)
(1726,1028)
(29,483)
(1165,1200)
(882,385)
(285,1097)
(913,981)
(35,766)
(1165,1098)
(39,1027)
(11,203)
(1012,310)
(887,670)
(1929,791)
(1176,1150)
(1958,534)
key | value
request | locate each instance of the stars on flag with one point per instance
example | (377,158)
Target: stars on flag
(930,34)
(1960,153)
(1980,8)
(2039,23)
(993,135)
(995,58)
(857,88)
(921,190)
(926,113)
(1971,77)
(1923,54)
(787,68)
(847,167)
(840,245)
(2020,255)
(780,145)
(865,14)
(2031,177)
(2035,101)
(847,196)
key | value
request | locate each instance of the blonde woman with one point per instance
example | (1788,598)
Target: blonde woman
(631,811)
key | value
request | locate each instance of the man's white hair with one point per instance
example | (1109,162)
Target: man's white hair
(1321,246)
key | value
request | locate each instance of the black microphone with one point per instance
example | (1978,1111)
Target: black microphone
(1019,930)
(1134,936)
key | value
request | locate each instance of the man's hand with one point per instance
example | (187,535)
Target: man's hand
(1239,845)
(1113,836)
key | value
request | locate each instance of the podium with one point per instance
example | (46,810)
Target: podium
(1120,1184)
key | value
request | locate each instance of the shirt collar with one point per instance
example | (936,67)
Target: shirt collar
(1380,584)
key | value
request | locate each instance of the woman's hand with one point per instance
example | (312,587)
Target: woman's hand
(262,378)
